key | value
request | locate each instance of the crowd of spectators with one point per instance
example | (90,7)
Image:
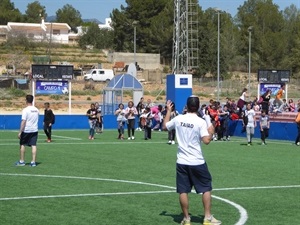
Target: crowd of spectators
(149,116)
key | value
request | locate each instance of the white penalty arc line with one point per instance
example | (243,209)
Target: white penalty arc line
(243,213)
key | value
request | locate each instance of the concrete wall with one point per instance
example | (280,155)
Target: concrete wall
(144,60)
(278,130)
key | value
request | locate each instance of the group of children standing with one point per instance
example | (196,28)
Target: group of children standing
(145,116)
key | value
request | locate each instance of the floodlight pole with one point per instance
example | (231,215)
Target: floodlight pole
(134,23)
(249,65)
(218,70)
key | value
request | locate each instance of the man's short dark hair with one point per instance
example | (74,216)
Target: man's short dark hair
(193,103)
(29,98)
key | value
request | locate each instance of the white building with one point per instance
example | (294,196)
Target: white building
(107,25)
(46,31)
(56,32)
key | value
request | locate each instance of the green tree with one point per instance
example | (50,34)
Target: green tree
(68,14)
(34,12)
(268,39)
(8,12)
(208,42)
(161,32)
(154,23)
(292,32)
(208,33)
(98,38)
(294,63)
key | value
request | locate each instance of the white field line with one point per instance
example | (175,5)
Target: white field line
(65,137)
(89,142)
(256,188)
(86,143)
(85,195)
(57,136)
(243,213)
(136,142)
(235,140)
(42,134)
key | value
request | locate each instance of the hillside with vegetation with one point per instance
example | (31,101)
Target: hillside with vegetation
(275,33)
(21,57)
(275,44)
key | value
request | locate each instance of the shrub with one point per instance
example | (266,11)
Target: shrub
(17,92)
(55,97)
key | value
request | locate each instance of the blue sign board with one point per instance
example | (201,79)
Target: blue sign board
(184,81)
(52,87)
(273,87)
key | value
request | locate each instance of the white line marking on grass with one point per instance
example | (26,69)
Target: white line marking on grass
(86,143)
(255,188)
(9,139)
(243,213)
(65,137)
(255,140)
(86,178)
(85,195)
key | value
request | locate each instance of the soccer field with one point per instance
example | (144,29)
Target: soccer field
(112,182)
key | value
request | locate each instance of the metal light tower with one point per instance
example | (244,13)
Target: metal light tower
(185,36)
(218,79)
(249,67)
(134,24)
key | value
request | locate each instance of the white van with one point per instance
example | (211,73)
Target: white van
(99,75)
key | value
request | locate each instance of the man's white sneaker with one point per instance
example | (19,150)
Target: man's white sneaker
(211,221)
(173,142)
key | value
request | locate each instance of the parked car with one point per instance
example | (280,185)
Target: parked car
(99,75)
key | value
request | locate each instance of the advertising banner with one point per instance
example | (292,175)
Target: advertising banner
(52,87)
(273,87)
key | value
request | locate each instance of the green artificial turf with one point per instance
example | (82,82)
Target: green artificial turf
(113,182)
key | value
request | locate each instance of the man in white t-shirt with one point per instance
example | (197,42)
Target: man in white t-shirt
(251,123)
(28,134)
(191,168)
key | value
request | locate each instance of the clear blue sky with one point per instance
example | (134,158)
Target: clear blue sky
(101,9)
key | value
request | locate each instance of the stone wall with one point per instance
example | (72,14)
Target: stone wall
(146,61)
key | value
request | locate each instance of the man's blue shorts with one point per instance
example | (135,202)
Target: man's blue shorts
(29,139)
(193,176)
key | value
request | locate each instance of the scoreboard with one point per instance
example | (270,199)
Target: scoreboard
(273,76)
(52,72)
